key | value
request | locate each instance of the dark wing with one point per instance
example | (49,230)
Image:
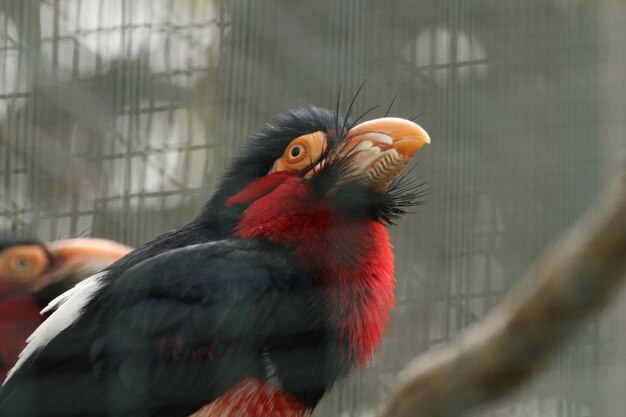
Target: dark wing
(170,334)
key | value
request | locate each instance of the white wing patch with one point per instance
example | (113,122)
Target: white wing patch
(67,309)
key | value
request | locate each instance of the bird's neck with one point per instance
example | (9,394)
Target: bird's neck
(12,288)
(350,257)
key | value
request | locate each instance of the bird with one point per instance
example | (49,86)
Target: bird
(281,286)
(33,273)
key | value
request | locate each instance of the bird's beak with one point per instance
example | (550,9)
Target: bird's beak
(377,150)
(76,259)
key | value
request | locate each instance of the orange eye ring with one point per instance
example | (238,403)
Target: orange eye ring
(23,263)
(301,152)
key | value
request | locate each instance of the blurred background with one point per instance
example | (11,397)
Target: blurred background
(117,118)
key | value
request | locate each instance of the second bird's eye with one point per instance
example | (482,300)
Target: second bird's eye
(295,151)
(21,263)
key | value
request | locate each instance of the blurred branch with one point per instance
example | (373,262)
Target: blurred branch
(567,286)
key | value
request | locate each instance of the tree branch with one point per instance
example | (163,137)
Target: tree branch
(567,286)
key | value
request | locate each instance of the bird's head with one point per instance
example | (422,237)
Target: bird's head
(310,159)
(43,268)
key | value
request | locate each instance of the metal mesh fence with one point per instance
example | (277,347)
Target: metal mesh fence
(118,116)
(100,120)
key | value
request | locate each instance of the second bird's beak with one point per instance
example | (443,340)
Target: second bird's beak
(377,150)
(76,259)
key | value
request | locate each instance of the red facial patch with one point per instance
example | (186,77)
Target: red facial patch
(259,188)
(253,397)
(350,257)
(19,317)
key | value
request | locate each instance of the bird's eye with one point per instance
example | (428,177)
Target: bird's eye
(301,152)
(295,151)
(21,264)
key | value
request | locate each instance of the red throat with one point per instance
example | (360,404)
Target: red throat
(350,257)
(259,188)
(19,317)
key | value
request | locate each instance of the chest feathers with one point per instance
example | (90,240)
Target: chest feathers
(349,256)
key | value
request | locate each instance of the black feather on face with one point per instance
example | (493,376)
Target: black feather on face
(385,207)
(11,242)
(262,149)
(257,157)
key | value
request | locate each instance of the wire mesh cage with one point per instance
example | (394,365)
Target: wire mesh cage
(104,87)
(117,118)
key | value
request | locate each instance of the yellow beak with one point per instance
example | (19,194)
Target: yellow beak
(377,150)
